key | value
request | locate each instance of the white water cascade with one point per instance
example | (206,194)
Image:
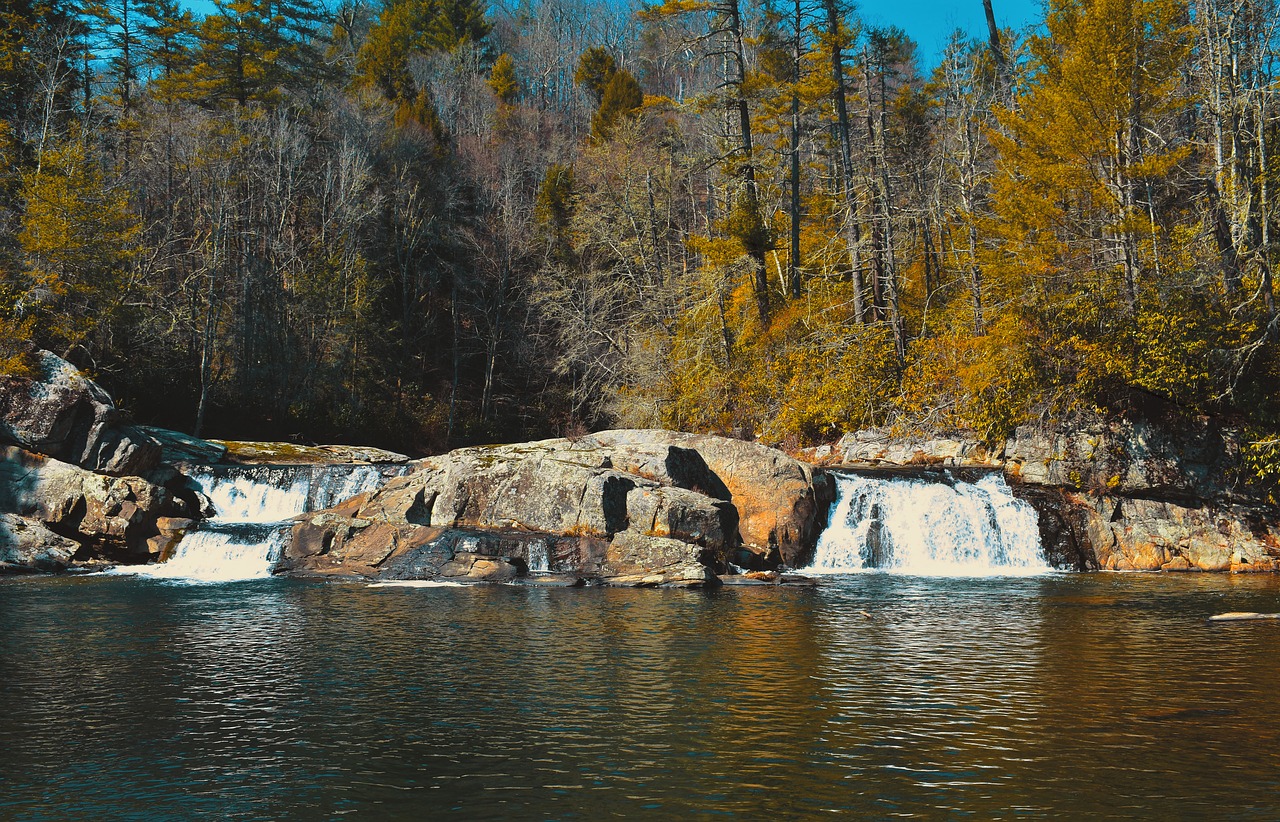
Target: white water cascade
(925,527)
(539,561)
(254,506)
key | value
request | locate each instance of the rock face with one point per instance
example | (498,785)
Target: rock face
(115,517)
(1116,493)
(26,544)
(65,416)
(1143,495)
(1137,534)
(782,502)
(871,447)
(648,508)
(1123,457)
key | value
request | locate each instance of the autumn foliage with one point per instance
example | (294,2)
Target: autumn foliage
(427,223)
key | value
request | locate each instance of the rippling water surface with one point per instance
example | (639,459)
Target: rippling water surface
(874,696)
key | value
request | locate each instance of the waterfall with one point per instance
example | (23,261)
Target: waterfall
(226,554)
(539,561)
(254,506)
(929,528)
(274,493)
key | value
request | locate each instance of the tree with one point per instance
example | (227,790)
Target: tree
(79,239)
(726,40)
(596,68)
(503,80)
(254,50)
(622,98)
(1091,141)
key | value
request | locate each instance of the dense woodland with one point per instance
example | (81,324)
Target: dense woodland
(431,222)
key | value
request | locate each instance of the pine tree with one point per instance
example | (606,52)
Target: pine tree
(622,98)
(255,50)
(79,239)
(596,67)
(503,80)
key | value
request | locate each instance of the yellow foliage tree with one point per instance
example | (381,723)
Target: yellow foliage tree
(1085,148)
(79,239)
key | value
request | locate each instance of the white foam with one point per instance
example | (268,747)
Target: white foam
(254,504)
(217,556)
(539,562)
(242,497)
(930,529)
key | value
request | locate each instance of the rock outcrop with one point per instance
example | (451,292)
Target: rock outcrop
(64,415)
(877,446)
(781,502)
(103,516)
(649,508)
(1112,492)
(1190,460)
(28,545)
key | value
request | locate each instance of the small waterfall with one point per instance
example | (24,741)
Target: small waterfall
(539,562)
(274,493)
(929,528)
(254,505)
(227,554)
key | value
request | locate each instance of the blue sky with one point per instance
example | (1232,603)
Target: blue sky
(928,22)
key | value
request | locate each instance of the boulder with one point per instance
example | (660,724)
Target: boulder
(177,448)
(29,544)
(781,502)
(555,487)
(67,416)
(644,561)
(627,508)
(115,515)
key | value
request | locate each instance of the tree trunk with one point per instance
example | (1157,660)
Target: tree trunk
(997,50)
(795,158)
(852,234)
(756,248)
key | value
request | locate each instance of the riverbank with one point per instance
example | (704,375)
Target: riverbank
(629,507)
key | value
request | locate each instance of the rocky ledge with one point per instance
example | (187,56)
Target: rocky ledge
(78,482)
(1135,493)
(644,508)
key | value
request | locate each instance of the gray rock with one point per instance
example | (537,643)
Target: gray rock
(179,449)
(65,415)
(1192,459)
(1136,534)
(113,514)
(575,507)
(288,453)
(877,446)
(28,543)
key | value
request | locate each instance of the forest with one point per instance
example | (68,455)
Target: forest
(428,223)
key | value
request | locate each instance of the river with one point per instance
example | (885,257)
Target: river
(870,696)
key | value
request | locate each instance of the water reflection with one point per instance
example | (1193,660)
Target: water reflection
(1056,696)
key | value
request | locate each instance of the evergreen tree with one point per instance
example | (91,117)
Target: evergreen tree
(503,80)
(596,68)
(622,98)
(79,239)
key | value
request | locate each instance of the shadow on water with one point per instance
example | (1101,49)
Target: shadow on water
(1061,695)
